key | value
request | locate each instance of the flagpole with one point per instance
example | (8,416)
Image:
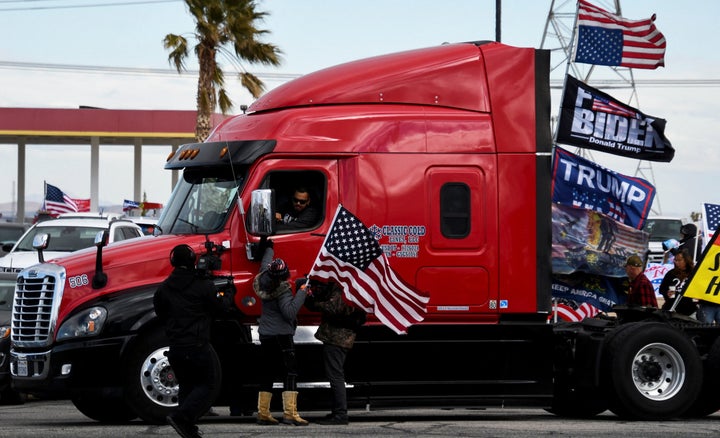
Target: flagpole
(327,235)
(44,205)
(573,48)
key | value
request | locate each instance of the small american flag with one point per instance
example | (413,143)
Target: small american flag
(611,107)
(57,202)
(607,39)
(566,312)
(352,256)
(711,219)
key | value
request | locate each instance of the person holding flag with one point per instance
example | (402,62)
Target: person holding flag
(276,328)
(704,283)
(363,270)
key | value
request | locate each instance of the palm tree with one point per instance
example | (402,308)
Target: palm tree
(220,24)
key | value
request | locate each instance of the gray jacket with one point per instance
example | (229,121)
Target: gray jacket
(279,306)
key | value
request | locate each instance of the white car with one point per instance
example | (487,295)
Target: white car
(661,229)
(67,233)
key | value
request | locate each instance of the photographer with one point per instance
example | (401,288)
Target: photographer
(338,326)
(185,303)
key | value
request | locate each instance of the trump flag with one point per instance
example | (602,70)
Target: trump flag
(352,256)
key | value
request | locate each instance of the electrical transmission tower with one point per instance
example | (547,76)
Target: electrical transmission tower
(559,38)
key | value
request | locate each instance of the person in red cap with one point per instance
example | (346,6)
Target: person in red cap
(640,291)
(276,328)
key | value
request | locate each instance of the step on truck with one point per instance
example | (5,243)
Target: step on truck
(444,152)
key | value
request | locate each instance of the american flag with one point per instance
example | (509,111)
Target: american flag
(607,39)
(711,219)
(566,312)
(57,202)
(352,256)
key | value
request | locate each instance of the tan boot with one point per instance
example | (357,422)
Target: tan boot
(264,417)
(290,413)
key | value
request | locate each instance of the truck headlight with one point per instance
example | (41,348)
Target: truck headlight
(4,331)
(89,322)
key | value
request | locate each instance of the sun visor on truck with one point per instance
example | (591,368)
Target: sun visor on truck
(218,153)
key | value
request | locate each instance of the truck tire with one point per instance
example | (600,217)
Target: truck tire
(653,370)
(708,401)
(103,408)
(150,385)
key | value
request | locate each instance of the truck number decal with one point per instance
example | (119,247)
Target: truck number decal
(78,281)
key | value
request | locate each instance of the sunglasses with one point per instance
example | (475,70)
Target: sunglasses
(300,201)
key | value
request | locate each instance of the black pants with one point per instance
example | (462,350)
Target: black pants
(278,358)
(334,358)
(195,372)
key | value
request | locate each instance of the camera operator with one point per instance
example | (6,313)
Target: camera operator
(185,303)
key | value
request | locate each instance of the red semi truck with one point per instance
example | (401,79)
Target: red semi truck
(445,154)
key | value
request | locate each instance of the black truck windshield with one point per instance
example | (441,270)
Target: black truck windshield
(201,202)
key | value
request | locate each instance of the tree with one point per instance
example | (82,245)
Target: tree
(226,27)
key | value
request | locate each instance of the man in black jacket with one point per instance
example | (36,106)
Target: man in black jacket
(339,323)
(185,303)
(298,213)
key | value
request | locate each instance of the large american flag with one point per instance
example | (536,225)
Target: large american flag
(607,39)
(352,256)
(57,202)
(711,219)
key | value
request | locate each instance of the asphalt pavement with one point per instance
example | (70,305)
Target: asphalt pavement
(60,419)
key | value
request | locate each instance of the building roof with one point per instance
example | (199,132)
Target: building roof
(79,126)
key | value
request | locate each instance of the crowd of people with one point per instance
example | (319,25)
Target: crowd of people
(186,302)
(683,256)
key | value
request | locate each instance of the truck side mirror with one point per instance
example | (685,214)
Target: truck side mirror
(41,242)
(99,280)
(261,221)
(262,212)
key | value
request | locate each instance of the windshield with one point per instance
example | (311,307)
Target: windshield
(62,238)
(200,202)
(663,229)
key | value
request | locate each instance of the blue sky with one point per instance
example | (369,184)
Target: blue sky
(314,34)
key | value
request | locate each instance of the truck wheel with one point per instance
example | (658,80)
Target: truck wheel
(654,372)
(103,408)
(150,385)
(708,402)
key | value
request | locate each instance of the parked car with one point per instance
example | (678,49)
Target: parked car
(148,224)
(10,233)
(7,288)
(67,233)
(661,229)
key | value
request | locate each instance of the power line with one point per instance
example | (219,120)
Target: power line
(554,83)
(12,65)
(79,6)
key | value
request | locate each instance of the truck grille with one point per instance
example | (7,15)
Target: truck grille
(37,297)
